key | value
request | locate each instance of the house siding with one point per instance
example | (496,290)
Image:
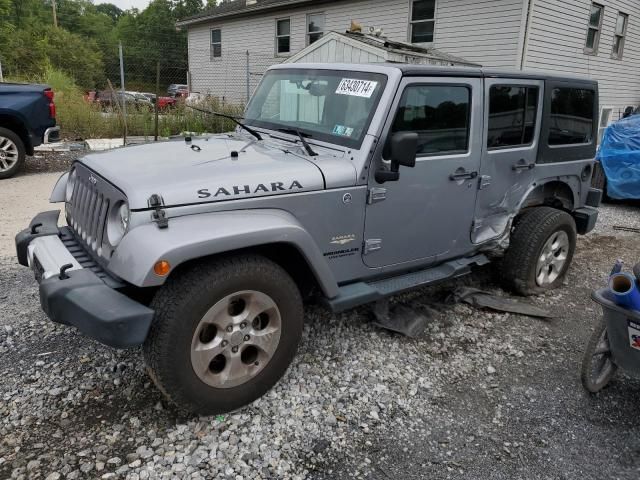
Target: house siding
(483,31)
(556,39)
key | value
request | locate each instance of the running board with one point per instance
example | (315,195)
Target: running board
(355,294)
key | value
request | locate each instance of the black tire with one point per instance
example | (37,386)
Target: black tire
(181,304)
(21,150)
(529,234)
(597,367)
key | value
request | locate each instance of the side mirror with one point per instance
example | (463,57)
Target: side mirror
(404,149)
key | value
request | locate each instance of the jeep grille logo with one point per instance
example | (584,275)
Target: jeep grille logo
(93,180)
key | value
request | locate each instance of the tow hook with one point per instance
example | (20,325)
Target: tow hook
(63,271)
(159,215)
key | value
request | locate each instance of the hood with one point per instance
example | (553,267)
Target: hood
(181,174)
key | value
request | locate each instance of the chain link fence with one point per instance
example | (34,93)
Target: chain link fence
(137,95)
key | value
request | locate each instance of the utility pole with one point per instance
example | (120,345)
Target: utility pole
(157,100)
(55,17)
(124,100)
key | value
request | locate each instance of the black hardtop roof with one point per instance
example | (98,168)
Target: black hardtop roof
(409,70)
(413,70)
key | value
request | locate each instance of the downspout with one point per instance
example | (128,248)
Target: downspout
(525,40)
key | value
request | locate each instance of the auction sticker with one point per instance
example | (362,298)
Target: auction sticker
(356,88)
(634,334)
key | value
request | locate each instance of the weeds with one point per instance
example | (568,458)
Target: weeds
(79,119)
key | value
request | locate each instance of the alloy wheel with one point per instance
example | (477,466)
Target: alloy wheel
(236,339)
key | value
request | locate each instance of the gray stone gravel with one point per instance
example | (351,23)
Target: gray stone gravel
(480,395)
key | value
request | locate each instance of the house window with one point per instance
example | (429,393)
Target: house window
(593,30)
(512,116)
(283,36)
(216,43)
(621,32)
(571,119)
(315,27)
(439,114)
(423,20)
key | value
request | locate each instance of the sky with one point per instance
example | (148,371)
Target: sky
(126,4)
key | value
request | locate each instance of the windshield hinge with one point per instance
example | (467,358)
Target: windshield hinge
(376,195)
(158,215)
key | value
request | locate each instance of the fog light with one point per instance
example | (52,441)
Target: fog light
(162,268)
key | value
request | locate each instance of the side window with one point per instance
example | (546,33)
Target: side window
(423,21)
(512,115)
(315,27)
(216,43)
(283,36)
(440,114)
(571,116)
(593,29)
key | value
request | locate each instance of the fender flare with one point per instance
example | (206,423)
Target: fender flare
(59,191)
(541,185)
(195,236)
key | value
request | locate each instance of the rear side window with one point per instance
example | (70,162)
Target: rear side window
(571,116)
(440,116)
(512,115)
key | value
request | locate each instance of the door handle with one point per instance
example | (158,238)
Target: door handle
(523,165)
(462,174)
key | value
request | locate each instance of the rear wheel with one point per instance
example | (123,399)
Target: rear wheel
(224,333)
(597,365)
(12,153)
(541,248)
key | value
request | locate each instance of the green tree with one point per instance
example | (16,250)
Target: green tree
(110,10)
(74,55)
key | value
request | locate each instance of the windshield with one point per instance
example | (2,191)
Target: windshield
(327,105)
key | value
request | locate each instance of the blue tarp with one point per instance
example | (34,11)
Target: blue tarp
(619,155)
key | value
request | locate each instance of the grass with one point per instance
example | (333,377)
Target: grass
(79,120)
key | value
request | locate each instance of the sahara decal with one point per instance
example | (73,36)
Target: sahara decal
(343,239)
(249,189)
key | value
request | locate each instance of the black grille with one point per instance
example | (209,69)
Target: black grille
(87,213)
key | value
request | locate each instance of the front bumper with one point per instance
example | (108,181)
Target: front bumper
(78,296)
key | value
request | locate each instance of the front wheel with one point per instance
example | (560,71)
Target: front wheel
(541,248)
(224,333)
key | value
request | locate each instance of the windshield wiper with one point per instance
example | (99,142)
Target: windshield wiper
(230,117)
(305,144)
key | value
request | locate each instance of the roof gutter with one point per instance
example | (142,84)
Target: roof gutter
(240,13)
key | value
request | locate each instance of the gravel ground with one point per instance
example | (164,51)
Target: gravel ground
(480,395)
(43,162)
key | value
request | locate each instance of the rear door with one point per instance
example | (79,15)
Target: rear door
(427,214)
(513,113)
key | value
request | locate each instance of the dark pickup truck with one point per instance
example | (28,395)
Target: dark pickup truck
(27,119)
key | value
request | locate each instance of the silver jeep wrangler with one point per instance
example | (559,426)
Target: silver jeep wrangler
(346,182)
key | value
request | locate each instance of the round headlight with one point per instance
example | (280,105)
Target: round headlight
(118,223)
(71,182)
(124,216)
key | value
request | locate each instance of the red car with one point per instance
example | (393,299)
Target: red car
(166,102)
(163,102)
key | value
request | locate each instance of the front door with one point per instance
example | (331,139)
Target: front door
(512,125)
(426,216)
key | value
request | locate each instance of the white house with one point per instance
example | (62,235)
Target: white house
(239,39)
